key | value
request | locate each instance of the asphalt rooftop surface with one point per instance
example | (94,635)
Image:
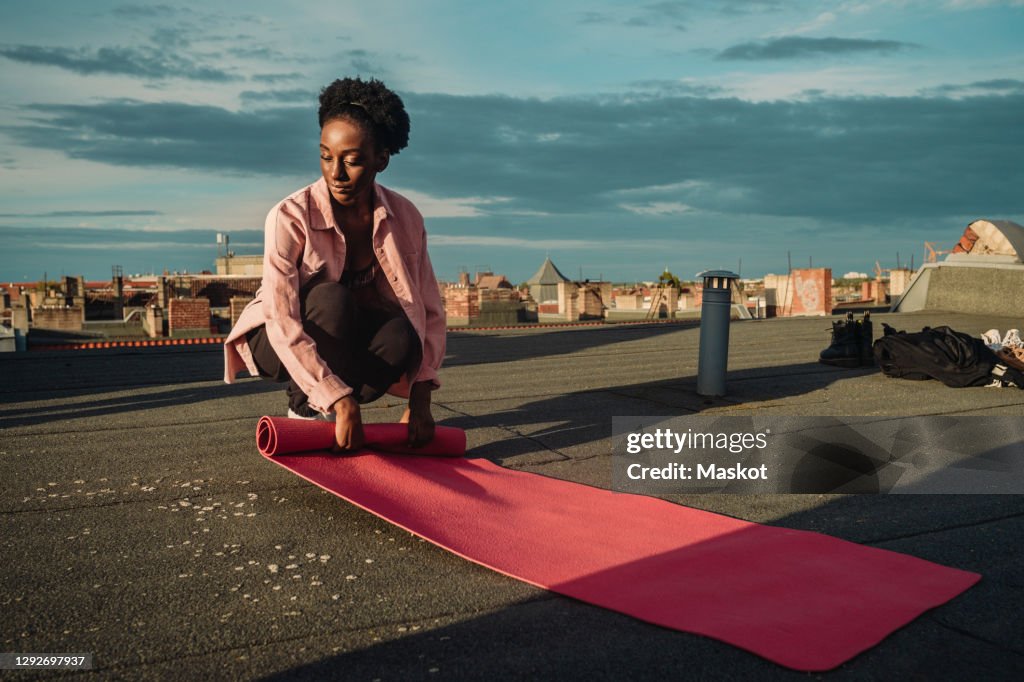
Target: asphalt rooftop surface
(140,524)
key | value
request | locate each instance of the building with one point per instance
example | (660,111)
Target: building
(544,283)
(488,280)
(489,300)
(984,274)
(250,266)
(805,291)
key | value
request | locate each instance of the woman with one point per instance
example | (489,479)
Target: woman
(349,307)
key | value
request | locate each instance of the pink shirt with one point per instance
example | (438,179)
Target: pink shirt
(301,239)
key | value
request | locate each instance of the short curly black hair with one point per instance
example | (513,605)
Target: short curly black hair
(371,106)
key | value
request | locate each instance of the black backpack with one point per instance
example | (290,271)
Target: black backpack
(954,358)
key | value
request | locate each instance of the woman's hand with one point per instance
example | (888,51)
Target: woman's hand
(348,425)
(418,417)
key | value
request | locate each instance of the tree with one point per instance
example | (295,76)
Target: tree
(668,279)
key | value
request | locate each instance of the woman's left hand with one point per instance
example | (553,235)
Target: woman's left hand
(418,416)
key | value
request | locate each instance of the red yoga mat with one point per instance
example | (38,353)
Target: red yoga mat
(801,599)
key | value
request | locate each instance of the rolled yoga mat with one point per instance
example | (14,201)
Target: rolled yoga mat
(800,599)
(281,436)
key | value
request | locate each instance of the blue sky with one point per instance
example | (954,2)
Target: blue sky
(620,138)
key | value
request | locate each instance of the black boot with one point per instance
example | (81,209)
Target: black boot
(844,351)
(866,333)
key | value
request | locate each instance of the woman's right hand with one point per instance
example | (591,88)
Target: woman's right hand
(348,425)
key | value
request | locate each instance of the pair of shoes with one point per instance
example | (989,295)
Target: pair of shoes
(851,343)
(995,342)
(308,413)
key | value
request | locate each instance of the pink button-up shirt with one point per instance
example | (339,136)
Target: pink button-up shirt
(302,240)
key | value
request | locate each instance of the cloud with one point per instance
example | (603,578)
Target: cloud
(131,133)
(676,14)
(451,207)
(592,17)
(657,15)
(818,22)
(740,7)
(257,52)
(797,47)
(444,240)
(81,214)
(121,245)
(115,240)
(658,208)
(666,87)
(977,4)
(172,37)
(825,158)
(144,11)
(998,85)
(273,78)
(294,96)
(497,157)
(138,62)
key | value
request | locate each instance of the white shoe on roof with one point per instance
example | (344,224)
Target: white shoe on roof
(992,339)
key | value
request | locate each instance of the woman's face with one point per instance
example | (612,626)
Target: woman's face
(349,161)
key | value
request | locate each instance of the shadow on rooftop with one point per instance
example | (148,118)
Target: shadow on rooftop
(586,416)
(469,348)
(58,374)
(133,402)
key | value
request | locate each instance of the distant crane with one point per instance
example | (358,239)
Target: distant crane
(931,253)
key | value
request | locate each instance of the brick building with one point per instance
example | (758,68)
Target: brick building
(189,316)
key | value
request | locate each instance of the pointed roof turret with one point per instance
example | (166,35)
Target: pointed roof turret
(547,274)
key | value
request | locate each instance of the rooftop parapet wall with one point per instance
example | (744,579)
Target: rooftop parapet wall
(236,305)
(966,288)
(461,305)
(188,315)
(62,318)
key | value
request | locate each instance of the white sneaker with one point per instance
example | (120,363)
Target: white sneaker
(292,414)
(992,339)
(1012,338)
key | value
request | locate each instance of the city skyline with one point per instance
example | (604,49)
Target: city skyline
(618,139)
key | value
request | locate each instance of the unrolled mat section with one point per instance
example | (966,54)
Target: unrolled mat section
(801,599)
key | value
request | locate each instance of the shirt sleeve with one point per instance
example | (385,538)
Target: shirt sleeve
(436,324)
(285,240)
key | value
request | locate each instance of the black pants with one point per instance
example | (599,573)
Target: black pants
(368,348)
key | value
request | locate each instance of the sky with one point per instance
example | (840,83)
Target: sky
(618,138)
